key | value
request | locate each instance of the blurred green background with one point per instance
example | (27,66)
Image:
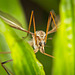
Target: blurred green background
(61,46)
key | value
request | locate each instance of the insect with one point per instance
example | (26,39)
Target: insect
(39,38)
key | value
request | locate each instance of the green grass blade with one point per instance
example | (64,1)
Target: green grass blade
(64,46)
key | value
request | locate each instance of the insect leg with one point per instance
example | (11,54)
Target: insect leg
(2,64)
(32,17)
(48,25)
(34,29)
(5,52)
(54,28)
(6,62)
(48,55)
(29,23)
(54,16)
(53,19)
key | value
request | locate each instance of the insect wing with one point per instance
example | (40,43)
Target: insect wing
(9,19)
(57,18)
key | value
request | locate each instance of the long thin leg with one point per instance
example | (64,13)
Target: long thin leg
(48,25)
(5,52)
(5,67)
(53,13)
(48,55)
(30,20)
(6,62)
(53,20)
(54,16)
(32,17)
(34,29)
(54,28)
(29,23)
(57,19)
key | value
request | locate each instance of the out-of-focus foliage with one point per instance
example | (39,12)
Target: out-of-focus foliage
(24,59)
(64,41)
(48,4)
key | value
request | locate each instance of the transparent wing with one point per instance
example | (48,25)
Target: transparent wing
(11,21)
(57,19)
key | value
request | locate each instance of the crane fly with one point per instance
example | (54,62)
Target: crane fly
(39,38)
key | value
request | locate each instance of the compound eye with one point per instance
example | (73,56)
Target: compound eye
(44,43)
(40,43)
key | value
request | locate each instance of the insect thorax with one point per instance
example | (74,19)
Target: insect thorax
(40,37)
